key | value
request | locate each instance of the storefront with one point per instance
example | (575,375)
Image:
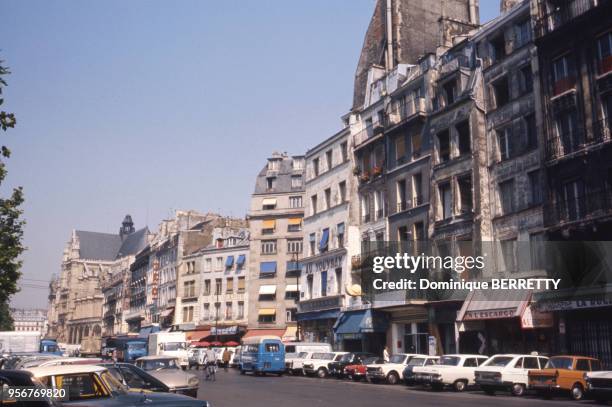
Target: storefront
(317,318)
(408,331)
(361,331)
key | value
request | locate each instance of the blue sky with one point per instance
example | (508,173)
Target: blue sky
(144,107)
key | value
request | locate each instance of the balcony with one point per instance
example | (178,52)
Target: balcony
(369,133)
(564,85)
(409,203)
(575,140)
(586,207)
(561,13)
(404,113)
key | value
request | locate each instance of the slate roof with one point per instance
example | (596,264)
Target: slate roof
(283,178)
(107,246)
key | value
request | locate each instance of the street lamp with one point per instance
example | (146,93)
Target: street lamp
(296,261)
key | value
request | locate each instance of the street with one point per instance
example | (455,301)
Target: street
(233,390)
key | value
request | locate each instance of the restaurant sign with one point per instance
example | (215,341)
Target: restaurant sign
(228,330)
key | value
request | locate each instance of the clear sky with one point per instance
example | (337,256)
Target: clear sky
(143,107)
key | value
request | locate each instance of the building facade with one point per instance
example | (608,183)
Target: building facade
(30,320)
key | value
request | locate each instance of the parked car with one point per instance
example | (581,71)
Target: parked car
(563,374)
(262,354)
(508,373)
(408,375)
(235,361)
(95,386)
(295,364)
(30,361)
(318,364)
(196,357)
(456,371)
(357,371)
(20,378)
(599,386)
(167,369)
(336,368)
(135,378)
(389,372)
(68,361)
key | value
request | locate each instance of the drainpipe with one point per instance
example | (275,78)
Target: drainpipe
(390,36)
(473,16)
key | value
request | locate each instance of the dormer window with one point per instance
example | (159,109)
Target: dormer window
(273,165)
(298,164)
(498,48)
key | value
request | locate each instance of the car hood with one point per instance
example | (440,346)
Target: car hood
(172,378)
(600,375)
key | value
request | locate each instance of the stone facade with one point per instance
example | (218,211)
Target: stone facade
(30,320)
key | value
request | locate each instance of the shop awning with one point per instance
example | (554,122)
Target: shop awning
(264,332)
(312,316)
(324,240)
(295,221)
(290,334)
(240,260)
(166,313)
(267,289)
(480,305)
(197,335)
(229,262)
(269,224)
(267,267)
(267,311)
(291,288)
(269,202)
(359,322)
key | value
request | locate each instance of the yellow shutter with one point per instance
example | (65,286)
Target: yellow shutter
(295,221)
(269,224)
(267,311)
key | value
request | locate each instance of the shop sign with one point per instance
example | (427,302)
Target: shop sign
(319,304)
(324,264)
(533,318)
(490,314)
(230,330)
(573,304)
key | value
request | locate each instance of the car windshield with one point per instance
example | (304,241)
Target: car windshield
(302,355)
(449,360)
(137,346)
(371,361)
(397,359)
(174,346)
(159,364)
(416,362)
(346,358)
(559,363)
(499,361)
(115,386)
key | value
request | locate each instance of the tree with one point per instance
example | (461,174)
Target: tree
(11,224)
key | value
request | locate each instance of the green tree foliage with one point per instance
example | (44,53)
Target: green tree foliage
(11,224)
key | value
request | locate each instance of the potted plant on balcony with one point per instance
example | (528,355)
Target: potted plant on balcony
(377,171)
(364,177)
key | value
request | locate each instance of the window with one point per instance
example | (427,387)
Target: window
(498,48)
(504,143)
(312,241)
(324,243)
(268,204)
(328,159)
(344,151)
(267,319)
(501,92)
(401,195)
(228,310)
(295,201)
(324,283)
(446,201)
(400,149)
(443,146)
(508,251)
(417,190)
(340,235)
(470,362)
(379,204)
(418,233)
(298,164)
(402,234)
(313,205)
(273,165)
(342,191)
(604,53)
(268,247)
(206,312)
(523,33)
(531,132)
(268,226)
(309,282)
(218,286)
(229,285)
(567,131)
(241,284)
(535,188)
(296,181)
(294,245)
(219,263)
(416,143)
(291,314)
(537,253)
(526,79)
(208,264)
(189,289)
(582,365)
(271,183)
(315,167)
(187,314)
(338,281)
(294,224)
(465,193)
(561,68)
(530,363)
(240,310)
(449,91)
(463,133)
(328,202)
(506,194)
(206,287)
(572,200)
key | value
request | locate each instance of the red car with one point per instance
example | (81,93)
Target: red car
(357,372)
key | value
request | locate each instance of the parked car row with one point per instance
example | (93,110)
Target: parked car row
(575,376)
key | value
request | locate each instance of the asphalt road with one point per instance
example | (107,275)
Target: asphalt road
(233,390)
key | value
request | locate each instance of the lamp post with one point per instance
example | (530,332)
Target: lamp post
(296,261)
(218,307)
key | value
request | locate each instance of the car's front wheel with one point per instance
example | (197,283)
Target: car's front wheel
(322,373)
(577,392)
(460,385)
(518,389)
(392,378)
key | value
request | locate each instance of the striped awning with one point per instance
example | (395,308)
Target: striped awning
(494,304)
(295,221)
(267,311)
(269,224)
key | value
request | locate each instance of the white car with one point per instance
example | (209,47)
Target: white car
(456,371)
(294,362)
(599,386)
(508,372)
(390,372)
(318,363)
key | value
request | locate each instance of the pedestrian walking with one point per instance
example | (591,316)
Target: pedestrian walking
(211,364)
(226,357)
(386,354)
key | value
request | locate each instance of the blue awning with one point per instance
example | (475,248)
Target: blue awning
(324,240)
(229,262)
(293,266)
(267,267)
(311,316)
(240,260)
(356,322)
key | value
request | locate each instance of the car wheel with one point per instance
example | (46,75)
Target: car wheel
(460,385)
(488,390)
(518,389)
(577,392)
(392,378)
(322,373)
